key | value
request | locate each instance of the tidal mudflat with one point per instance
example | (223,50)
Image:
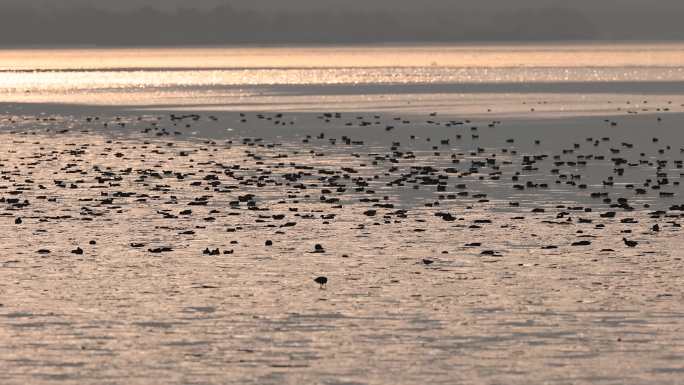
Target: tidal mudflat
(474,214)
(183,247)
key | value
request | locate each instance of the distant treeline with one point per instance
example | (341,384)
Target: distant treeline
(20,25)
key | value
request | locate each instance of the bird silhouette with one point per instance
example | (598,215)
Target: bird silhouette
(629,243)
(321,281)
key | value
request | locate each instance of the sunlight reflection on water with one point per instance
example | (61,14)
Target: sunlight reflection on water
(184,75)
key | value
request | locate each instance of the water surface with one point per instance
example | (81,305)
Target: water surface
(348,78)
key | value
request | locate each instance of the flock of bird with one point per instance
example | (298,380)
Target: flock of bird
(43,167)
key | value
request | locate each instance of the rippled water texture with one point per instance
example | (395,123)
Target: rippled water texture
(347,77)
(164,213)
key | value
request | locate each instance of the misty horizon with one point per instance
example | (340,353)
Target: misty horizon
(223,24)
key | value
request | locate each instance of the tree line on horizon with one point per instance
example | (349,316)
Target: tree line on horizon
(23,25)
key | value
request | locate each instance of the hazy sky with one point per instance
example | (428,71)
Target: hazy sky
(334,21)
(370,4)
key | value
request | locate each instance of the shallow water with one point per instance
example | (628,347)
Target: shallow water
(418,165)
(369,78)
(520,314)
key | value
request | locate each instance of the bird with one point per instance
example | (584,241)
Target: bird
(629,243)
(208,251)
(321,281)
(428,261)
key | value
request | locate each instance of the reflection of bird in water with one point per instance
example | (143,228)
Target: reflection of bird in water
(321,281)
